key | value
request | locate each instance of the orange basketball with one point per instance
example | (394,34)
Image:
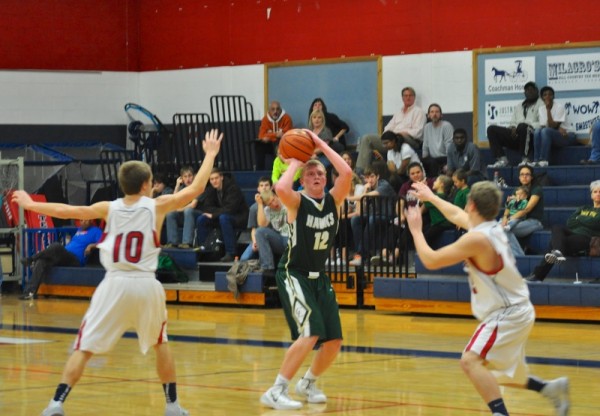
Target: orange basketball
(296,144)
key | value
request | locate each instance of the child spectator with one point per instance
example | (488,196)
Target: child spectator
(514,204)
(461,191)
(438,223)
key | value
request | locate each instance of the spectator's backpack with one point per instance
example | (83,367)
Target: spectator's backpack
(168,271)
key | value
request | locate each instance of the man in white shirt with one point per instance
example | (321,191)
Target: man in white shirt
(408,123)
(555,130)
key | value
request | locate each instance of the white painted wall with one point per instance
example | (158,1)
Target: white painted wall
(65,97)
(96,98)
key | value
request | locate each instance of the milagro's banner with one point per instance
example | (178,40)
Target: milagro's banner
(574,72)
(508,75)
(499,113)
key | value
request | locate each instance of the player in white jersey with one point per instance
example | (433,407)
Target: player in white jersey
(129,296)
(499,297)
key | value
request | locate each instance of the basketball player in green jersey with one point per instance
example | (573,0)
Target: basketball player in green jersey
(308,300)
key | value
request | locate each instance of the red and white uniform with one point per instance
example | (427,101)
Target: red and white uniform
(501,301)
(129,296)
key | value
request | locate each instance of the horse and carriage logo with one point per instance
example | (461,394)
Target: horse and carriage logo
(516,75)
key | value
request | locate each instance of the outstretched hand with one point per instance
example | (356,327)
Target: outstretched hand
(422,191)
(212,142)
(414,219)
(22,198)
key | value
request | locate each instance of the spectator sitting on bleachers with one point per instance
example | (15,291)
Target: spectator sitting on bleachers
(316,124)
(416,173)
(344,237)
(185,216)
(463,154)
(399,156)
(159,186)
(251,252)
(375,187)
(554,131)
(408,123)
(279,167)
(337,126)
(534,211)
(273,231)
(461,193)
(272,126)
(573,239)
(515,203)
(73,254)
(519,133)
(594,158)
(461,188)
(225,207)
(437,137)
(437,222)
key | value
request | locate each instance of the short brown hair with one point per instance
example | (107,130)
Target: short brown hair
(487,199)
(132,175)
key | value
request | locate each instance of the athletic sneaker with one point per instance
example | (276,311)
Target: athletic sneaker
(356,261)
(308,389)
(500,163)
(542,164)
(173,409)
(555,256)
(526,162)
(278,398)
(558,392)
(54,409)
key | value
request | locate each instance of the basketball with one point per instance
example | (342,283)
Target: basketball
(296,144)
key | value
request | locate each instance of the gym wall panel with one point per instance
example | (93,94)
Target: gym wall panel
(69,35)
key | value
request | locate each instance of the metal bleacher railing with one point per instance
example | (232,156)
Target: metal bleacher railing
(380,233)
(234,116)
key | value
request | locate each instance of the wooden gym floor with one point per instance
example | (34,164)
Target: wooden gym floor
(392,364)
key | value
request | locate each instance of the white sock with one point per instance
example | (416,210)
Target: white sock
(281,380)
(309,375)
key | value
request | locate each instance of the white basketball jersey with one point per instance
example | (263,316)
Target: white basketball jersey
(505,287)
(130,242)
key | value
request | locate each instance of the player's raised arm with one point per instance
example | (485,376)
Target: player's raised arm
(58,210)
(211,146)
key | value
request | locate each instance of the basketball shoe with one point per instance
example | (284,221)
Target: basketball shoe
(54,409)
(173,409)
(558,392)
(278,398)
(307,388)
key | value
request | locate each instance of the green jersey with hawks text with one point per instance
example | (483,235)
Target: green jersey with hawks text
(311,235)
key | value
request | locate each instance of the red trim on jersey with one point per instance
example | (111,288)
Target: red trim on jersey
(488,345)
(78,341)
(160,334)
(491,272)
(102,237)
(156,239)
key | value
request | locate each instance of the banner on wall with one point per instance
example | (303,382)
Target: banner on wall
(574,72)
(508,75)
(581,112)
(499,113)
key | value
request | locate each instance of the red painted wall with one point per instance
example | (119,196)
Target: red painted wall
(132,35)
(69,34)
